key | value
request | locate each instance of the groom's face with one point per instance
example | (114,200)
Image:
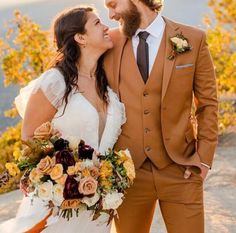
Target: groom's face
(126,13)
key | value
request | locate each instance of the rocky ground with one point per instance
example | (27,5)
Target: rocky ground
(220,193)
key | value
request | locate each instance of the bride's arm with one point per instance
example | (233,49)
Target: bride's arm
(38,111)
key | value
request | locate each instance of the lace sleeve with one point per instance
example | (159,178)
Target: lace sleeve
(50,82)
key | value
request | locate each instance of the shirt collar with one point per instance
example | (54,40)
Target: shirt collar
(155,28)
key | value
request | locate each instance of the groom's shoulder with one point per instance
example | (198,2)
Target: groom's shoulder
(115,34)
(187,30)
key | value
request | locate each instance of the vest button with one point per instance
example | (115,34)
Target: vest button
(146,112)
(148,148)
(145,93)
(146,130)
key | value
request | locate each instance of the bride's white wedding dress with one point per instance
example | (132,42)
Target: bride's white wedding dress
(80,120)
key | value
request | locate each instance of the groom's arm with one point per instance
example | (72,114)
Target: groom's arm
(206,102)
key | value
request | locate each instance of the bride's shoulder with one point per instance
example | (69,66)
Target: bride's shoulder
(52,76)
(112,94)
(51,83)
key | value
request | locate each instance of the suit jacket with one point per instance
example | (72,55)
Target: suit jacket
(187,75)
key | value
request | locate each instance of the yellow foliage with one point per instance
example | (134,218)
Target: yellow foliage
(30,54)
(12,169)
(222,43)
(10,144)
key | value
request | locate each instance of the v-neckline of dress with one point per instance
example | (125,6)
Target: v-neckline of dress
(100,140)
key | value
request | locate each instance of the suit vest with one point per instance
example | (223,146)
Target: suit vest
(142,133)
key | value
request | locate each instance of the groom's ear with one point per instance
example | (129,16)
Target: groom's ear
(79,38)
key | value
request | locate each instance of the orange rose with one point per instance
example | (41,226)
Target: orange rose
(56,172)
(45,165)
(44,131)
(35,176)
(87,186)
(94,172)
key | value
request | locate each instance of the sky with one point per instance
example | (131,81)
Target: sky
(7,3)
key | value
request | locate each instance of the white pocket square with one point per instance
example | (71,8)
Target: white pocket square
(183,66)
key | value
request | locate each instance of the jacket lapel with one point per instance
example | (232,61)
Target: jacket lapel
(171,30)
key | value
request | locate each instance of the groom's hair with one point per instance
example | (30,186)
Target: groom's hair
(154,5)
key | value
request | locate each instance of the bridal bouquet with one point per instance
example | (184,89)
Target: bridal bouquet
(72,178)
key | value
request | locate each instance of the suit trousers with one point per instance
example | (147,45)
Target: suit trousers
(180,200)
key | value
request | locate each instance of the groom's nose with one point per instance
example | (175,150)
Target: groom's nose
(111,14)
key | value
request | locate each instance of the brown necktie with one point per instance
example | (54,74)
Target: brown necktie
(143,55)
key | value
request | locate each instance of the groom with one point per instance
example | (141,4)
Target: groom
(158,67)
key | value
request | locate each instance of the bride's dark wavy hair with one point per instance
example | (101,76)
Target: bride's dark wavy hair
(65,26)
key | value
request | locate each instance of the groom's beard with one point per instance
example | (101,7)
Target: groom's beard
(131,20)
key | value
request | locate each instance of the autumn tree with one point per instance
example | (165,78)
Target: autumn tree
(23,58)
(222,43)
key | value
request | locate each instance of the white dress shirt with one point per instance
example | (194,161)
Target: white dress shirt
(156,30)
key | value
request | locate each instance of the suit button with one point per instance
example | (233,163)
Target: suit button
(148,148)
(163,108)
(146,112)
(145,93)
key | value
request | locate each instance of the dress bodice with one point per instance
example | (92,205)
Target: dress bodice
(80,119)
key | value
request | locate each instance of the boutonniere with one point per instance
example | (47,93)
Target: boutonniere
(179,45)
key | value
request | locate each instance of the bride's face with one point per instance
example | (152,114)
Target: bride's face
(96,36)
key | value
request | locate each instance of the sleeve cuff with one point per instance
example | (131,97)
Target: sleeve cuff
(205,165)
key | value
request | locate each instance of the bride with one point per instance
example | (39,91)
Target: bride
(75,97)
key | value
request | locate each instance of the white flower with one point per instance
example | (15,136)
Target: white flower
(112,200)
(78,177)
(45,191)
(185,43)
(90,201)
(180,43)
(58,194)
(87,163)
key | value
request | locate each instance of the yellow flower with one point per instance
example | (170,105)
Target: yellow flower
(56,172)
(12,169)
(86,172)
(71,170)
(122,156)
(17,154)
(106,184)
(106,169)
(78,166)
(130,169)
(62,180)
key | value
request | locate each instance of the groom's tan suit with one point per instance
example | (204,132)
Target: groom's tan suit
(159,132)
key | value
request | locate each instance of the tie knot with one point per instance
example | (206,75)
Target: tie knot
(143,35)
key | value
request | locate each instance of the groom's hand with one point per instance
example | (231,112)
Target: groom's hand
(204,172)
